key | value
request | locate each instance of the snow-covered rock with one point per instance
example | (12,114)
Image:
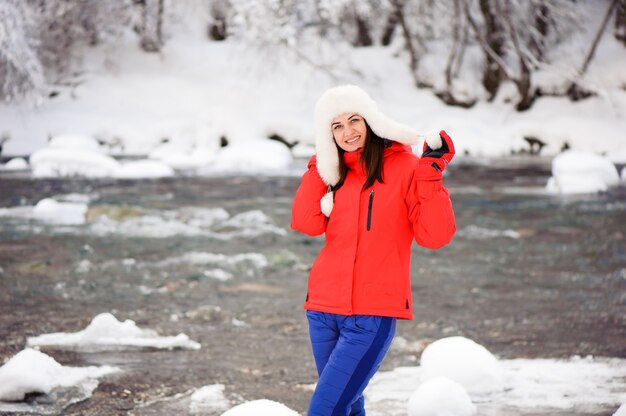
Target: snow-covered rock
(464,361)
(575,172)
(440,396)
(144,169)
(262,407)
(75,142)
(178,157)
(66,213)
(208,399)
(31,371)
(55,162)
(253,156)
(106,330)
(17,163)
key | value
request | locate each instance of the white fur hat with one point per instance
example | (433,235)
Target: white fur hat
(350,99)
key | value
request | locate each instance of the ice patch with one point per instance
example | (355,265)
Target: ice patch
(106,330)
(62,213)
(218,274)
(256,260)
(209,399)
(260,408)
(251,224)
(440,396)
(575,172)
(31,371)
(541,386)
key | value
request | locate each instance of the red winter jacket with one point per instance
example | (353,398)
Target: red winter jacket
(364,267)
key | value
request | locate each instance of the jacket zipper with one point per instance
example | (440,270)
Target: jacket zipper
(369,210)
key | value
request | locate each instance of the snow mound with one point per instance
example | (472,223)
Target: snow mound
(144,169)
(208,399)
(172,154)
(253,156)
(65,213)
(75,142)
(464,361)
(16,163)
(440,396)
(262,407)
(576,172)
(106,330)
(621,411)
(60,162)
(31,371)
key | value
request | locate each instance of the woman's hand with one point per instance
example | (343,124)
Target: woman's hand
(437,154)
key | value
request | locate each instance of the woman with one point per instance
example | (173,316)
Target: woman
(371,195)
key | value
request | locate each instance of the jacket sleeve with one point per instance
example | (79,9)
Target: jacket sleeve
(306,213)
(430,212)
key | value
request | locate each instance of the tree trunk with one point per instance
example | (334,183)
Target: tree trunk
(493,75)
(620,22)
(390,27)
(363,37)
(408,39)
(575,91)
(542,25)
(151,36)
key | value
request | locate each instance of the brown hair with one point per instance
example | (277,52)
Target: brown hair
(371,158)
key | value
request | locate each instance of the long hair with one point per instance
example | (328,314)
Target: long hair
(371,158)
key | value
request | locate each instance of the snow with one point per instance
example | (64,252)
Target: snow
(144,169)
(106,330)
(256,260)
(31,371)
(60,162)
(621,411)
(440,396)
(575,172)
(537,386)
(218,274)
(65,213)
(253,156)
(208,399)
(481,233)
(464,361)
(260,408)
(17,163)
(75,142)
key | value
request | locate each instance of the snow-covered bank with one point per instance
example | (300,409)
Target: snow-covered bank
(106,331)
(179,105)
(31,371)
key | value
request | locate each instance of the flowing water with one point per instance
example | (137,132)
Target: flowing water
(527,275)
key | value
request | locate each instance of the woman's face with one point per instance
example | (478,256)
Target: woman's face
(349,131)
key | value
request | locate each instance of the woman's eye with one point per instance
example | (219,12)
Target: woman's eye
(337,127)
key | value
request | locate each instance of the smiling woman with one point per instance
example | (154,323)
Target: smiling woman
(372,196)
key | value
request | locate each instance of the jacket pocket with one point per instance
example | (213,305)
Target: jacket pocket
(370,206)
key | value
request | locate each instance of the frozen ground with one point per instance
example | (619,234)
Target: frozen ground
(530,275)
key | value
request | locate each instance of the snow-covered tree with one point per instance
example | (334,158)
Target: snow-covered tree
(21,71)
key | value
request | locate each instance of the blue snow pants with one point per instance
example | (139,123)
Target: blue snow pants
(348,350)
